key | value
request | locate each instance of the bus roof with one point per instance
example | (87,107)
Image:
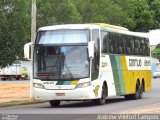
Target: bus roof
(108,27)
(139,34)
(69,26)
(82,26)
(111,26)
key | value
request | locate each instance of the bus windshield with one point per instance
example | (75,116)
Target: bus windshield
(63,36)
(61,62)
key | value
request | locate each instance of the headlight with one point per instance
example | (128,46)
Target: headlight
(38,85)
(82,85)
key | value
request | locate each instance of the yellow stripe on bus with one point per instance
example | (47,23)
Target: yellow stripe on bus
(125,74)
(74,82)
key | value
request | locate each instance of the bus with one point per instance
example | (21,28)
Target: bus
(78,62)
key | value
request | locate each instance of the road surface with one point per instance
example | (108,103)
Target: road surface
(117,105)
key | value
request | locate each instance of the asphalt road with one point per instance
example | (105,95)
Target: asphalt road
(81,110)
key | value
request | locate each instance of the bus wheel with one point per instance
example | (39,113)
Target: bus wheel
(102,100)
(54,103)
(141,92)
(128,97)
(137,94)
(3,79)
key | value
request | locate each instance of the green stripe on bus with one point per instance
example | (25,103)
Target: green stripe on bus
(60,82)
(120,73)
(117,74)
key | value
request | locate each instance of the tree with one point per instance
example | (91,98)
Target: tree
(140,14)
(158,46)
(156,52)
(133,14)
(104,11)
(15,28)
(154,6)
(137,15)
(52,12)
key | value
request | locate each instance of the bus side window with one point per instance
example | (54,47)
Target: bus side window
(128,46)
(104,42)
(114,42)
(120,44)
(142,47)
(124,43)
(147,49)
(136,49)
(137,46)
(132,45)
(95,61)
(110,42)
(111,49)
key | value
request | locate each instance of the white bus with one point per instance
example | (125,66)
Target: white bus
(89,62)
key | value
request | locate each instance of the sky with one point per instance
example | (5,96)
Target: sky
(154,36)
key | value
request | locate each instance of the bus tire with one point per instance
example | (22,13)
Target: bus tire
(54,103)
(3,79)
(137,93)
(128,97)
(141,92)
(102,100)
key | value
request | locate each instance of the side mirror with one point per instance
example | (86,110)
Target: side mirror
(91,49)
(27,51)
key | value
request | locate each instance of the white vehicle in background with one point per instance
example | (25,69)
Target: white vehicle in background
(156,74)
(14,71)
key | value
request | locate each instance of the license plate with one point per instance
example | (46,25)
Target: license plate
(60,94)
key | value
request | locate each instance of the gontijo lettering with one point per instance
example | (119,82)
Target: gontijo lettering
(135,62)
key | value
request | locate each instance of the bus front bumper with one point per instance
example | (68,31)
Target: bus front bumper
(86,93)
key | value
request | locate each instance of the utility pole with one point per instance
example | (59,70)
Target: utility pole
(33,21)
(33,36)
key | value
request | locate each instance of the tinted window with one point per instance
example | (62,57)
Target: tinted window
(95,61)
(104,42)
(116,43)
(137,46)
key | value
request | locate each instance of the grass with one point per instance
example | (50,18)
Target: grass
(19,102)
